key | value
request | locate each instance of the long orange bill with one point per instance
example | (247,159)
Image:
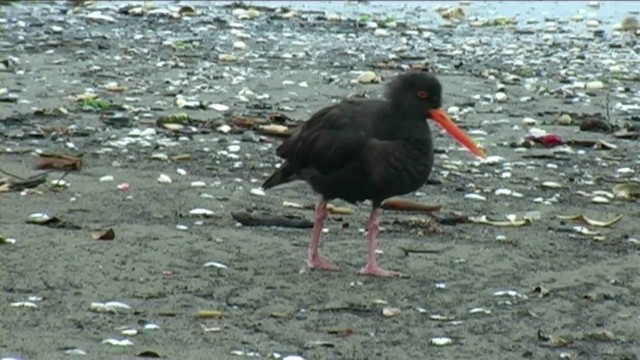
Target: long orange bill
(454,131)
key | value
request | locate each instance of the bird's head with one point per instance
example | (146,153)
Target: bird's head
(421,93)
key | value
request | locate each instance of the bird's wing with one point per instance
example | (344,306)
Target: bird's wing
(328,141)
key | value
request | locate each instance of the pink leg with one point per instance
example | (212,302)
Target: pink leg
(314,260)
(372,266)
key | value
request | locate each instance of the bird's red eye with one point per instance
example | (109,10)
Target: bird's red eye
(423,94)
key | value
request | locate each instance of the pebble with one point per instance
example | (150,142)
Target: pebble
(500,97)
(257,192)
(198,184)
(564,119)
(106,178)
(530,121)
(441,341)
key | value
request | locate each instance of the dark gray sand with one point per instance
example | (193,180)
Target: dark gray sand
(566,292)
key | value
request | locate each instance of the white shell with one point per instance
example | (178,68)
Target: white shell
(216,265)
(201,212)
(475,197)
(441,341)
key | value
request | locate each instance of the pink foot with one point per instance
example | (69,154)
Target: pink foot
(317,262)
(374,270)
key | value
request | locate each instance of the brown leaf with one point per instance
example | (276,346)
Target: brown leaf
(341,332)
(59,162)
(408,205)
(107,235)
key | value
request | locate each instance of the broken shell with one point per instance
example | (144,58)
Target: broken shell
(164,179)
(201,212)
(600,200)
(440,341)
(109,307)
(474,196)
(216,265)
(116,342)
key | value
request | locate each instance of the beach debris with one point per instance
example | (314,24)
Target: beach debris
(5,240)
(8,184)
(24,304)
(399,204)
(109,307)
(105,235)
(511,221)
(344,332)
(261,219)
(452,13)
(588,221)
(553,341)
(216,265)
(390,311)
(440,341)
(44,219)
(627,191)
(59,162)
(541,291)
(510,293)
(164,179)
(546,140)
(151,354)
(368,77)
(475,196)
(209,314)
(201,212)
(118,342)
(74,351)
(174,122)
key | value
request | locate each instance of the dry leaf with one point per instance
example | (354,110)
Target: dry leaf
(586,220)
(107,235)
(505,223)
(408,205)
(338,210)
(59,162)
(209,314)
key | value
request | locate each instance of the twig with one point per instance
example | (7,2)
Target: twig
(12,175)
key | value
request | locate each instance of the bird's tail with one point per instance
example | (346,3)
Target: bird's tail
(281,176)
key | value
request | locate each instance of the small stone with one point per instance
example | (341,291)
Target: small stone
(381,33)
(592,23)
(500,97)
(368,77)
(594,85)
(564,119)
(227,57)
(530,121)
(239,45)
(593,4)
(219,107)
(106,178)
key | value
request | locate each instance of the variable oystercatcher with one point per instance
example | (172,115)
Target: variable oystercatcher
(360,150)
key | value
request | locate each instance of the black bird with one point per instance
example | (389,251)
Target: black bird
(360,150)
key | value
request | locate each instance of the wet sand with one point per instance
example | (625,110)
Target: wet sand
(269,302)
